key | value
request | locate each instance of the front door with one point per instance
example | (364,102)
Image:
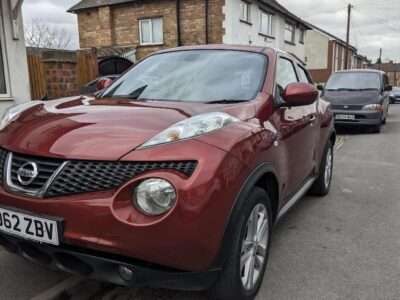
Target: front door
(296,131)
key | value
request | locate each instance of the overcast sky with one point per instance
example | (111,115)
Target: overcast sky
(376,23)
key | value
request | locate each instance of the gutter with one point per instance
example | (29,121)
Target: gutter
(206,20)
(178,23)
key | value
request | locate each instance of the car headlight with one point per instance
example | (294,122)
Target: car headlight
(374,107)
(191,127)
(13,112)
(154,196)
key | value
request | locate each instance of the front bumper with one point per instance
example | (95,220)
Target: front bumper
(108,268)
(361,117)
(187,238)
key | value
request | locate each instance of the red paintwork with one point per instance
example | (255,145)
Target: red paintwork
(189,236)
(103,83)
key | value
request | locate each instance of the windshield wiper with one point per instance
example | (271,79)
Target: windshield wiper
(341,89)
(349,89)
(133,95)
(225,101)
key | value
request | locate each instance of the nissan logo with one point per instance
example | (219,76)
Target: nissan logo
(27,173)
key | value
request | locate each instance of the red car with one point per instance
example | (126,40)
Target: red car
(174,176)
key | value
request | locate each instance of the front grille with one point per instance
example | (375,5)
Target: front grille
(61,178)
(3,156)
(347,107)
(88,176)
(46,168)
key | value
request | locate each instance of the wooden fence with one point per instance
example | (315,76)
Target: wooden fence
(58,73)
(87,66)
(37,76)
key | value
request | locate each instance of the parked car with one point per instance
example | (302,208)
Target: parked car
(359,97)
(98,84)
(395,95)
(174,176)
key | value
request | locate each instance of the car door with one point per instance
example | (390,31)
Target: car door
(296,133)
(312,110)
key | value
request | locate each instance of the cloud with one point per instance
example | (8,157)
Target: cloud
(375,24)
(53,13)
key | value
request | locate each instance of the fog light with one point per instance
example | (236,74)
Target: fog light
(154,196)
(126,273)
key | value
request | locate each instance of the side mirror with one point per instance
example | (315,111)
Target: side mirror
(298,94)
(388,88)
(320,87)
(103,83)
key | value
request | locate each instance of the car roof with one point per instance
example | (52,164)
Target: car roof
(248,48)
(216,47)
(361,71)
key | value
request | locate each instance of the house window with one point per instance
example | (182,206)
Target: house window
(151,31)
(290,33)
(3,85)
(302,36)
(266,24)
(245,12)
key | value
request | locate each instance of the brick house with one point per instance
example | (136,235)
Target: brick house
(151,25)
(325,54)
(391,69)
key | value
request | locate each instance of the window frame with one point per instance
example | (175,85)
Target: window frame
(150,20)
(293,66)
(302,36)
(306,73)
(3,45)
(270,24)
(293,39)
(247,19)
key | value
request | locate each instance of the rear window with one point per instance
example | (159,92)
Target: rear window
(354,81)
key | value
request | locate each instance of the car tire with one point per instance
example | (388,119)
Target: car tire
(233,282)
(376,128)
(322,184)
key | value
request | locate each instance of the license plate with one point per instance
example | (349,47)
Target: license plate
(29,227)
(345,117)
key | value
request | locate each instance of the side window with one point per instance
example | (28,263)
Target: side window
(303,75)
(285,73)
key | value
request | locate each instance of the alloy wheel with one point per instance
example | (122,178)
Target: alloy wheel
(254,247)
(328,167)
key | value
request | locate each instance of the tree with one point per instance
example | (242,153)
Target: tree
(41,35)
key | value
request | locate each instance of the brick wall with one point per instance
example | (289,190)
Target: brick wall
(118,25)
(215,21)
(58,73)
(60,78)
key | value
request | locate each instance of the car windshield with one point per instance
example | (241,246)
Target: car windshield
(354,81)
(193,76)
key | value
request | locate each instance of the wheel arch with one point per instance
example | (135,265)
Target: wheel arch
(264,177)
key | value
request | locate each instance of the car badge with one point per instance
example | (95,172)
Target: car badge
(27,173)
(346,107)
